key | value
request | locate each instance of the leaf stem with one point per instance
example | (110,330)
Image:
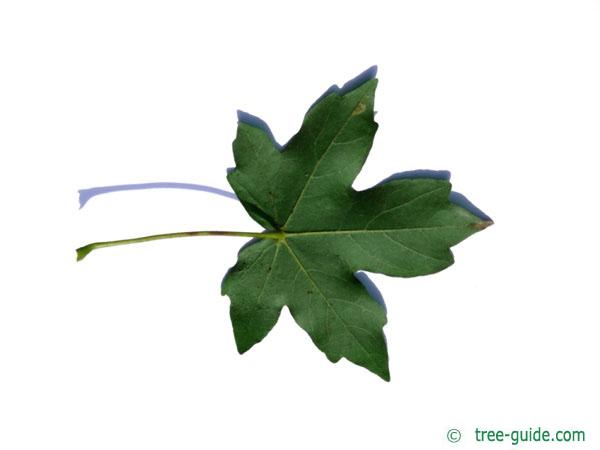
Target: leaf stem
(82,252)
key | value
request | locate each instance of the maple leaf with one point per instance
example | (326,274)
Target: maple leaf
(319,231)
(328,231)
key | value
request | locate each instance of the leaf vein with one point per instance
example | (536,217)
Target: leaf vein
(328,303)
(402,244)
(402,205)
(320,160)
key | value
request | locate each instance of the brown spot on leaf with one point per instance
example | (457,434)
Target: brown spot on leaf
(482,225)
(360,108)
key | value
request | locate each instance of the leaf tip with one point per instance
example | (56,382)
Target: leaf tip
(242,344)
(241,350)
(478,226)
(382,371)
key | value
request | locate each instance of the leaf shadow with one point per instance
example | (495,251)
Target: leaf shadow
(371,288)
(256,122)
(349,85)
(86,194)
(455,197)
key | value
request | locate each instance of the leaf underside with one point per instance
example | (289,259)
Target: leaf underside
(403,228)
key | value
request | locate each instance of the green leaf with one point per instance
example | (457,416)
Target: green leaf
(327,231)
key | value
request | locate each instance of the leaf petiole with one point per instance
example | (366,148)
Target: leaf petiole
(82,252)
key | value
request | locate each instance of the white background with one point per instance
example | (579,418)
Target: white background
(132,348)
